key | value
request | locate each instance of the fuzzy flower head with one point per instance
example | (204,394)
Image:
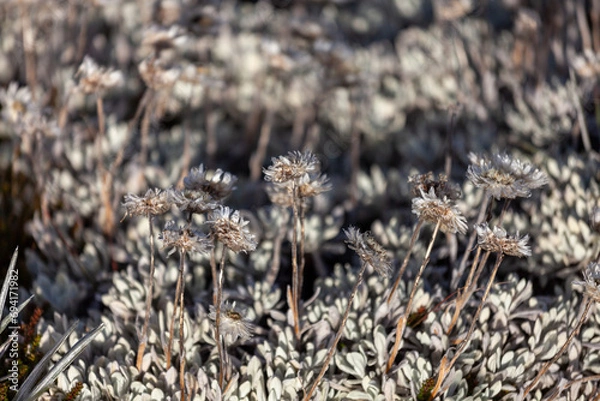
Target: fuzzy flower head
(96,79)
(233,323)
(591,282)
(183,239)
(370,252)
(432,209)
(291,168)
(441,185)
(155,202)
(230,228)
(16,102)
(193,201)
(497,240)
(218,184)
(156,75)
(505,177)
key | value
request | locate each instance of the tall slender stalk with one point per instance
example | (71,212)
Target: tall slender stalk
(294,307)
(401,325)
(219,301)
(338,334)
(144,334)
(181,332)
(169,349)
(413,239)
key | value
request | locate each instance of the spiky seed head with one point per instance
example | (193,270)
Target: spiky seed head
(228,227)
(155,202)
(432,209)
(370,252)
(505,177)
(291,168)
(591,281)
(234,324)
(183,239)
(218,184)
(497,240)
(441,185)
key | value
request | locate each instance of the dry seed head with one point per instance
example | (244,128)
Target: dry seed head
(369,251)
(156,75)
(218,184)
(96,79)
(16,102)
(591,281)
(192,201)
(441,185)
(505,177)
(229,228)
(309,187)
(234,324)
(432,209)
(497,240)
(155,202)
(183,239)
(291,168)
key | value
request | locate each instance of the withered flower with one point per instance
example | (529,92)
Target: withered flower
(218,184)
(505,177)
(368,250)
(497,240)
(233,324)
(95,79)
(183,239)
(155,202)
(432,209)
(591,282)
(230,228)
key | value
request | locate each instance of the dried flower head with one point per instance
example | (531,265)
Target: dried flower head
(160,39)
(16,102)
(192,201)
(183,239)
(441,185)
(291,168)
(505,177)
(497,240)
(156,75)
(218,184)
(230,228)
(369,251)
(233,323)
(155,202)
(591,282)
(432,209)
(310,186)
(95,79)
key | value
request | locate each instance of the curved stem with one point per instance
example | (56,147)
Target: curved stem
(337,336)
(402,321)
(144,335)
(219,301)
(413,239)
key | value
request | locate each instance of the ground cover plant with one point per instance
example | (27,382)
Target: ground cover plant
(323,200)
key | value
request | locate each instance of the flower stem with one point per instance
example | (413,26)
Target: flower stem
(413,239)
(172,323)
(338,335)
(219,301)
(181,333)
(294,305)
(401,325)
(144,335)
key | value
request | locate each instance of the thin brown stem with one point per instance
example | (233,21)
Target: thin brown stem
(401,325)
(213,270)
(169,350)
(294,307)
(586,308)
(457,274)
(256,161)
(467,339)
(301,247)
(271,275)
(219,301)
(181,332)
(144,334)
(338,335)
(413,239)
